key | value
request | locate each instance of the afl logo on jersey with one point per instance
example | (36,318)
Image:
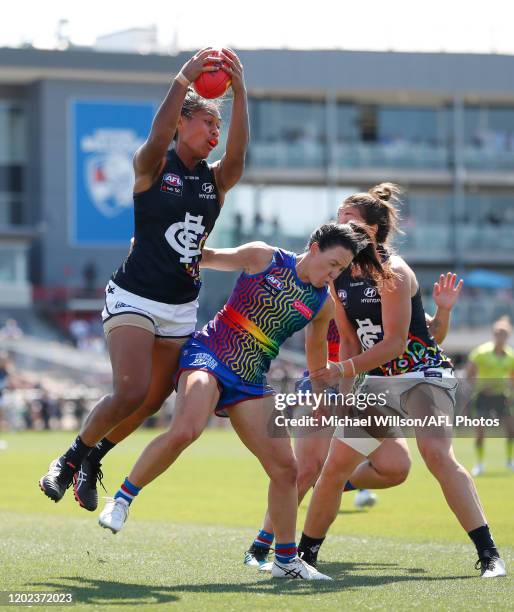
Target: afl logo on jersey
(172,184)
(343,296)
(272,280)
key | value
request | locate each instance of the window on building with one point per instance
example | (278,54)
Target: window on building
(13,156)
(489,137)
(393,136)
(426,221)
(287,132)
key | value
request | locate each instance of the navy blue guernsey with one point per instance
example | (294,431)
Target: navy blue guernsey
(363,306)
(172,219)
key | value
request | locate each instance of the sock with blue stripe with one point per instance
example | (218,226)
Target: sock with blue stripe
(285,553)
(264,539)
(127,491)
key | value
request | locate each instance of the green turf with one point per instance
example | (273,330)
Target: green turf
(183,544)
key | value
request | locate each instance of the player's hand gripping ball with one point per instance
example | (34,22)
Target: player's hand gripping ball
(212,84)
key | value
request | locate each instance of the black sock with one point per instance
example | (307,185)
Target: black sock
(310,548)
(99,451)
(483,541)
(76,453)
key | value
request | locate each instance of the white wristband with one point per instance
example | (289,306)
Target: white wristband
(353,365)
(340,367)
(182,79)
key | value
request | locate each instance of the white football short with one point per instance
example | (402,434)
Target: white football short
(163,320)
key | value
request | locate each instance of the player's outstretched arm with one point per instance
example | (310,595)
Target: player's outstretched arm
(445,294)
(252,257)
(149,157)
(230,168)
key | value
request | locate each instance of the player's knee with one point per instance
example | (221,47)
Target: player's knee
(334,470)
(182,437)
(400,471)
(285,472)
(437,458)
(398,476)
(126,401)
(308,473)
(149,409)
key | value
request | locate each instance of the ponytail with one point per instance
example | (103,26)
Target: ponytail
(367,258)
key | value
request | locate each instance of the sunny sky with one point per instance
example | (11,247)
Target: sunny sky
(403,25)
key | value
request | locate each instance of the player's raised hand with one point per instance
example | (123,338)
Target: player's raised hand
(204,60)
(446,290)
(232,65)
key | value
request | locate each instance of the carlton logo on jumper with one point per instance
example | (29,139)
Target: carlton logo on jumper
(108,169)
(274,282)
(368,333)
(208,191)
(184,237)
(172,184)
(303,309)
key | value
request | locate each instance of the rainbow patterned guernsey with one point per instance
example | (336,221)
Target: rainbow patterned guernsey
(263,310)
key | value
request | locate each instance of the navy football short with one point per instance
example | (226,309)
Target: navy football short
(233,389)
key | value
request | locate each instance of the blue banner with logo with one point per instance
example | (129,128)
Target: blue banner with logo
(105,135)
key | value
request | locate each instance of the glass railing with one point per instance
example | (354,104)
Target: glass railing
(426,239)
(479,310)
(486,237)
(401,154)
(485,158)
(423,239)
(301,154)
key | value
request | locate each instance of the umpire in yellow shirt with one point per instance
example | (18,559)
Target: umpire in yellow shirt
(491,370)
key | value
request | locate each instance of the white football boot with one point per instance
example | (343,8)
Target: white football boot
(296,569)
(491,567)
(114,515)
(365,498)
(478,470)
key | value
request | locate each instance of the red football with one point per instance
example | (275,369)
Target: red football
(212,84)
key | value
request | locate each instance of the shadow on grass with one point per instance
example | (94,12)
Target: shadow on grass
(350,575)
(105,593)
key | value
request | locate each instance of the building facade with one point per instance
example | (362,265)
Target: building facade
(323,124)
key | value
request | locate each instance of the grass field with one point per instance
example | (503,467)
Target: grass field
(183,545)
